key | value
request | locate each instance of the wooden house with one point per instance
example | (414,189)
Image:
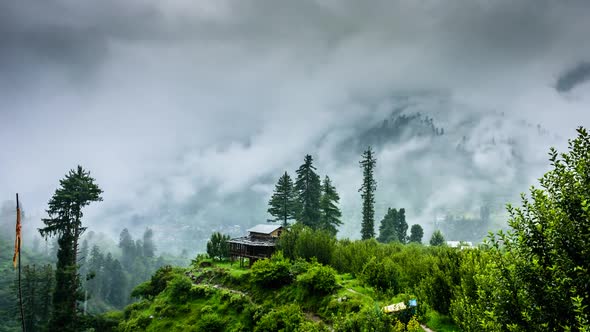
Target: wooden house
(259,243)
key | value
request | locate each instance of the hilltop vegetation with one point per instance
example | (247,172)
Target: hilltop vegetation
(534,277)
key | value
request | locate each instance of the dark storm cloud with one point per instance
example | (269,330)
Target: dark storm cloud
(573,77)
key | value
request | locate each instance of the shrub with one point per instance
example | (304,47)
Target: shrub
(180,287)
(211,322)
(273,272)
(285,318)
(382,275)
(319,279)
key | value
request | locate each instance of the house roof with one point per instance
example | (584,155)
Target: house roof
(251,242)
(264,228)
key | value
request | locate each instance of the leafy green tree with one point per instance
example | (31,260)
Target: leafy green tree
(329,212)
(77,190)
(218,247)
(308,188)
(393,226)
(416,233)
(437,238)
(387,232)
(367,191)
(538,275)
(149,247)
(283,203)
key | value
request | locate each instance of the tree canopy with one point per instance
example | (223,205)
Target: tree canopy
(329,211)
(283,203)
(308,188)
(76,191)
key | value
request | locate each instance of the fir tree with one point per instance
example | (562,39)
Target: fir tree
(149,247)
(76,191)
(437,239)
(283,203)
(128,248)
(308,188)
(329,212)
(367,191)
(387,232)
(416,233)
(95,264)
(400,226)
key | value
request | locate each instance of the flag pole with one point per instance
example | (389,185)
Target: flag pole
(20,292)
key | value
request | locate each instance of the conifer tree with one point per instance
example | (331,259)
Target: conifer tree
(149,248)
(76,191)
(308,188)
(400,226)
(329,212)
(437,239)
(128,248)
(95,265)
(416,233)
(367,191)
(283,203)
(387,232)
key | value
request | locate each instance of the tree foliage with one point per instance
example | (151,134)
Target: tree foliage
(283,203)
(393,226)
(76,191)
(367,191)
(218,246)
(329,211)
(416,233)
(308,188)
(437,238)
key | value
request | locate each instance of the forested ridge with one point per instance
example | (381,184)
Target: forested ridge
(532,277)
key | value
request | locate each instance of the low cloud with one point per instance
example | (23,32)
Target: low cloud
(180,106)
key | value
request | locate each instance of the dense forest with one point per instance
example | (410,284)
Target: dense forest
(532,277)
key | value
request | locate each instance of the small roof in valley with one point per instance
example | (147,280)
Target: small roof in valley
(264,228)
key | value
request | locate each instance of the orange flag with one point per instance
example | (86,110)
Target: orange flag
(17,239)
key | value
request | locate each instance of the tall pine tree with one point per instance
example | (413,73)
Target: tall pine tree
(308,188)
(76,191)
(329,212)
(367,191)
(283,203)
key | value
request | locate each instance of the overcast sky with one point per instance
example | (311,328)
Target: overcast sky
(159,99)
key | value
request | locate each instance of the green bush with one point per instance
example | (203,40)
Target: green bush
(285,318)
(319,279)
(273,272)
(211,322)
(180,288)
(382,275)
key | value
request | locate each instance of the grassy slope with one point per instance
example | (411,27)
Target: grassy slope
(223,299)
